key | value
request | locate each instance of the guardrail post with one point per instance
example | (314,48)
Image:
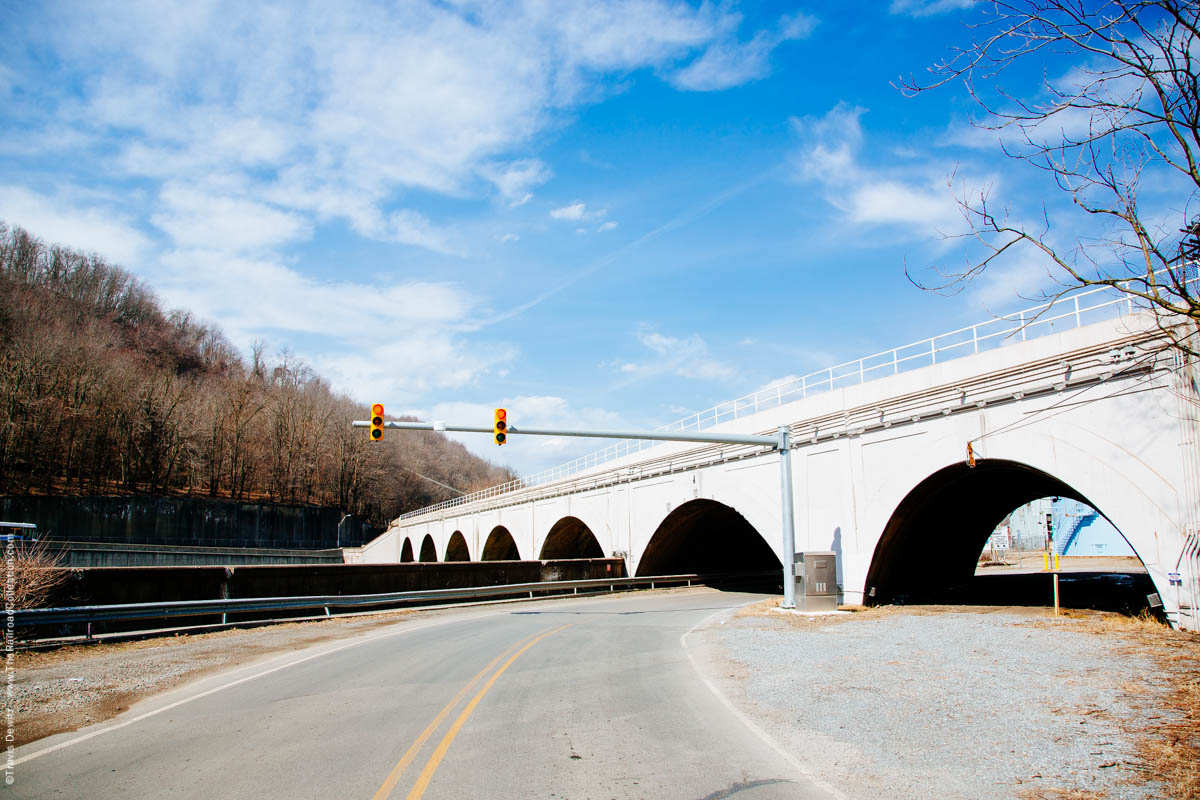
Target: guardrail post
(789,518)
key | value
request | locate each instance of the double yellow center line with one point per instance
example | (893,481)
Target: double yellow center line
(439,753)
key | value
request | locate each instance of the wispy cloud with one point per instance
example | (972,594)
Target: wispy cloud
(516,179)
(925,8)
(687,357)
(218,221)
(395,339)
(61,219)
(914,194)
(682,219)
(728,62)
(577,211)
(334,120)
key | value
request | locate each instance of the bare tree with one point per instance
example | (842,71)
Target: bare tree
(1117,128)
(37,572)
(102,391)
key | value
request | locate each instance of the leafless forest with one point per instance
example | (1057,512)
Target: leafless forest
(104,392)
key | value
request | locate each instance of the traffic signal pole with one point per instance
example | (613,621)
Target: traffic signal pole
(780,441)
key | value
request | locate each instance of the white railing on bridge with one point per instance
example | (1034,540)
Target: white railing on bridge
(1060,315)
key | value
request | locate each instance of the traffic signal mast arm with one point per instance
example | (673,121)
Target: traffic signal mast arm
(781,441)
(708,438)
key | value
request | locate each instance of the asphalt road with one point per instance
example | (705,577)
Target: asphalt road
(581,698)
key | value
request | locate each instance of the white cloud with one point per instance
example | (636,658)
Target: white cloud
(729,63)
(575,211)
(509,237)
(892,202)
(579,212)
(515,179)
(59,220)
(829,144)
(1022,276)
(396,340)
(684,358)
(201,219)
(913,194)
(337,119)
(411,227)
(925,8)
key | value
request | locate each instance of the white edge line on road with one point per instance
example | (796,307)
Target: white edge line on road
(402,629)
(749,723)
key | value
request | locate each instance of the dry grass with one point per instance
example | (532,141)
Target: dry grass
(36,573)
(1059,794)
(1170,751)
(1167,748)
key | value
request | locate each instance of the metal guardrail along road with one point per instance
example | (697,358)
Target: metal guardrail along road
(193,608)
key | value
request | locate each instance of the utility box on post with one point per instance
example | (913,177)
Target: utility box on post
(816,581)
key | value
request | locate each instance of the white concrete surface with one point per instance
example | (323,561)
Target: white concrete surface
(1094,407)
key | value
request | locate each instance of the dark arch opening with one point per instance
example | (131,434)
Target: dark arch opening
(456,548)
(931,546)
(500,546)
(406,552)
(571,538)
(705,536)
(428,549)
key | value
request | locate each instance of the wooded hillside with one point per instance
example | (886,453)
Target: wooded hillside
(104,392)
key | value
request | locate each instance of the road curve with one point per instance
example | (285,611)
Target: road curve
(579,698)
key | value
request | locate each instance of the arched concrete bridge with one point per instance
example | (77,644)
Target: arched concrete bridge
(1099,412)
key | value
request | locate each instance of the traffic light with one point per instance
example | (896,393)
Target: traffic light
(500,426)
(376,422)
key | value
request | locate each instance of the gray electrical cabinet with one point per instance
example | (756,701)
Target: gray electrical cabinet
(816,581)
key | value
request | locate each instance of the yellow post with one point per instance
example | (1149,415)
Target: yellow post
(1056,562)
(1045,562)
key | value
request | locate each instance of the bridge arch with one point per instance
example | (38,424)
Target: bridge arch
(571,538)
(706,536)
(428,549)
(931,543)
(456,548)
(500,546)
(406,552)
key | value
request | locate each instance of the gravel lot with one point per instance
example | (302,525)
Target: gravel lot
(942,702)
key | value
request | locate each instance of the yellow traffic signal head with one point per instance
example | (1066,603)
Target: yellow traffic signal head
(500,426)
(376,422)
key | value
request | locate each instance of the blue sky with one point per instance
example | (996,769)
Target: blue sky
(595,214)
